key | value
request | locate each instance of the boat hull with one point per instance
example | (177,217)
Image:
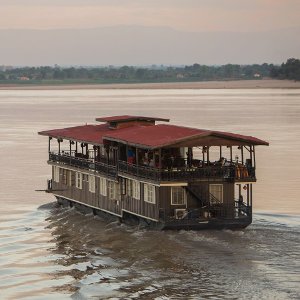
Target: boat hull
(176,224)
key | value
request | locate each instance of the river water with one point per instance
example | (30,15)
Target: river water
(48,252)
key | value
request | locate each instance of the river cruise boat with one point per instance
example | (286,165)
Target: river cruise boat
(164,176)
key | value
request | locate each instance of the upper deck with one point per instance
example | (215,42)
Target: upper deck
(137,147)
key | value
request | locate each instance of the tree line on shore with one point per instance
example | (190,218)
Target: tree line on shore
(127,74)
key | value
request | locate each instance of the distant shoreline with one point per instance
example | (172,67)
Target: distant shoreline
(234,84)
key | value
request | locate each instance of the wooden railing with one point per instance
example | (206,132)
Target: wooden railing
(185,173)
(226,173)
(104,168)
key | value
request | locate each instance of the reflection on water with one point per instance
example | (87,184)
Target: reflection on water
(58,251)
(55,253)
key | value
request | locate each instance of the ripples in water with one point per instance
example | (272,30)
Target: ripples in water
(57,252)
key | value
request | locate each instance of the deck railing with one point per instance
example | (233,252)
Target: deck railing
(231,172)
(226,173)
(89,164)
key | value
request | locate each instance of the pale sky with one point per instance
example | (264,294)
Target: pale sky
(185,15)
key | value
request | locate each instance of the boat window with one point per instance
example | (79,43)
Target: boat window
(178,195)
(129,187)
(111,190)
(64,176)
(136,192)
(56,174)
(103,188)
(69,178)
(216,193)
(149,193)
(79,180)
(92,183)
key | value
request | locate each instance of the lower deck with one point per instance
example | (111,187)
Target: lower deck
(180,205)
(171,224)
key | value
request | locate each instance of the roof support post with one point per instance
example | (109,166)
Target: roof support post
(254,162)
(248,191)
(70,146)
(76,147)
(159,164)
(137,160)
(59,141)
(118,155)
(94,148)
(127,156)
(242,154)
(208,155)
(49,144)
(251,194)
(231,154)
(220,152)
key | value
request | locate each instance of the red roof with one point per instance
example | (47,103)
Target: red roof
(87,133)
(152,136)
(163,135)
(155,136)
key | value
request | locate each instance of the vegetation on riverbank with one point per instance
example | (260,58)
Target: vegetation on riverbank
(152,74)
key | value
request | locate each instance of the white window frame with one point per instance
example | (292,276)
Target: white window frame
(136,189)
(216,193)
(173,189)
(92,185)
(78,180)
(149,193)
(56,174)
(69,178)
(103,186)
(64,176)
(129,190)
(111,190)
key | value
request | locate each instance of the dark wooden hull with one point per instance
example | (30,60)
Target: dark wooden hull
(183,224)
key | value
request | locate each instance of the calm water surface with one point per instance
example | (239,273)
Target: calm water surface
(47,252)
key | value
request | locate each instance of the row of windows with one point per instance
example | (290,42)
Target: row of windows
(132,188)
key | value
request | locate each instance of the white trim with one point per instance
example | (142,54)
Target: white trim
(222,191)
(134,178)
(174,184)
(144,217)
(56,174)
(84,204)
(112,190)
(75,169)
(147,192)
(92,183)
(78,180)
(69,177)
(184,196)
(103,186)
(136,189)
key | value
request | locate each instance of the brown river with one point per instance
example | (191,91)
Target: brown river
(48,252)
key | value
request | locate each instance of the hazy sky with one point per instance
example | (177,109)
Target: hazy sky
(187,15)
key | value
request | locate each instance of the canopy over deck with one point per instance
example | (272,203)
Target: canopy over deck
(164,136)
(92,134)
(150,137)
